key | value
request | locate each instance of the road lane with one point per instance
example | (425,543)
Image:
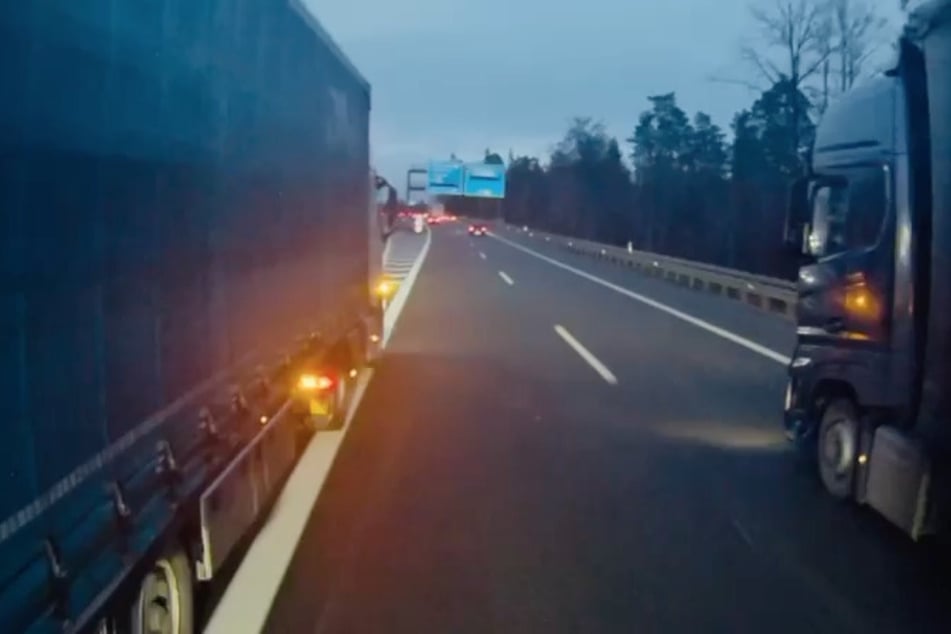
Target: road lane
(492,482)
(746,321)
(721,408)
(426,521)
(692,319)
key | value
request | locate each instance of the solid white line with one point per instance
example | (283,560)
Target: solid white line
(399,299)
(481,255)
(585,354)
(690,319)
(508,280)
(247,600)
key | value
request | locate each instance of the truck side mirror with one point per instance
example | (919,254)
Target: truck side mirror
(798,215)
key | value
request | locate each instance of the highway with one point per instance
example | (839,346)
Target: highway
(557,444)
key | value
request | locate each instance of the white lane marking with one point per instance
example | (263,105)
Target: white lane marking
(481,255)
(247,600)
(508,280)
(399,299)
(690,319)
(585,354)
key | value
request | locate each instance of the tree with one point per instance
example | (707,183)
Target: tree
(785,129)
(692,194)
(706,147)
(857,30)
(766,156)
(585,189)
(590,187)
(707,189)
(526,192)
(794,28)
(748,171)
(492,158)
(794,32)
(660,141)
(661,154)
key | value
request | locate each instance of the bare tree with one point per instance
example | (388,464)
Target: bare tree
(849,32)
(794,28)
(790,44)
(826,45)
(821,46)
(857,30)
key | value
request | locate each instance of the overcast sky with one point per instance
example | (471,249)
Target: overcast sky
(464,75)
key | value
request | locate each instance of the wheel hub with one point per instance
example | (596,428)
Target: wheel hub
(838,448)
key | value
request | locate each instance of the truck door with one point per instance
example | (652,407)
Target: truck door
(845,290)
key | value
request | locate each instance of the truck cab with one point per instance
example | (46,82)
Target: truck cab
(861,223)
(850,338)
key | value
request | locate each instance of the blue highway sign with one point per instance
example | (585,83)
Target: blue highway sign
(445,178)
(484,180)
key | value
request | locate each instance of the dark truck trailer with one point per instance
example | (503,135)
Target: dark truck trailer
(870,379)
(186,228)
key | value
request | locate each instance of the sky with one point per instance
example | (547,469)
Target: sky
(461,76)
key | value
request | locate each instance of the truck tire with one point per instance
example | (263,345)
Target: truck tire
(837,447)
(165,601)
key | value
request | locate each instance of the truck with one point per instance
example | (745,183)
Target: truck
(869,381)
(187,250)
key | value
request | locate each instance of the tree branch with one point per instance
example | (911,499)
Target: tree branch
(766,67)
(738,82)
(817,64)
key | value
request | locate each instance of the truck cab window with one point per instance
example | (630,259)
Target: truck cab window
(829,216)
(849,215)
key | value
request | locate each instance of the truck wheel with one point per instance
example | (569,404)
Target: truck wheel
(165,602)
(837,447)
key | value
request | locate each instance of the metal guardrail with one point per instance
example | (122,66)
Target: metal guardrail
(770,294)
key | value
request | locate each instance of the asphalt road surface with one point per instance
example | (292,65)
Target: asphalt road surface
(538,452)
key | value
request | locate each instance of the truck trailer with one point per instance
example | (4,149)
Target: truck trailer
(187,241)
(869,387)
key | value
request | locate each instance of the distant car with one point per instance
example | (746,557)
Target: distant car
(477,229)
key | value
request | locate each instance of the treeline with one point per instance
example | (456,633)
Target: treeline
(694,191)
(691,193)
